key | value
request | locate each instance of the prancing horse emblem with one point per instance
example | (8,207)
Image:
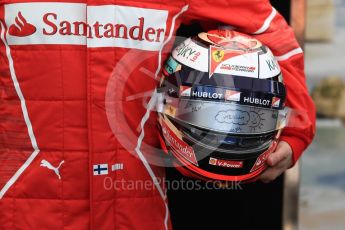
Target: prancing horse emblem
(46,164)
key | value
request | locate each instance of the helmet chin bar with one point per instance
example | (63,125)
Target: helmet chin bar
(233,167)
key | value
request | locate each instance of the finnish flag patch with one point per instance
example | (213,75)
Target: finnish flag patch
(100,169)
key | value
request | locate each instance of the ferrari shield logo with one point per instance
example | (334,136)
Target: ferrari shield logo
(218,55)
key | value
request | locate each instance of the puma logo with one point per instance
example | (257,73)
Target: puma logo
(46,164)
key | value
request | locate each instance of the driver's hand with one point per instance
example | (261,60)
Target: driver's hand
(279,161)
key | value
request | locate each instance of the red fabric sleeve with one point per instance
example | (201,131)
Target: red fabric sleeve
(260,19)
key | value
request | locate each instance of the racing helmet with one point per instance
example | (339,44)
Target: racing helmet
(221,106)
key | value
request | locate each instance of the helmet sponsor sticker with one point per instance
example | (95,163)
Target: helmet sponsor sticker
(79,24)
(207,92)
(185,91)
(171,110)
(171,66)
(225,163)
(177,145)
(217,55)
(257,101)
(276,102)
(261,160)
(242,64)
(252,63)
(238,68)
(269,66)
(232,95)
(192,55)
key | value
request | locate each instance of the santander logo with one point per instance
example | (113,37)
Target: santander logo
(54,25)
(21,28)
(80,24)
